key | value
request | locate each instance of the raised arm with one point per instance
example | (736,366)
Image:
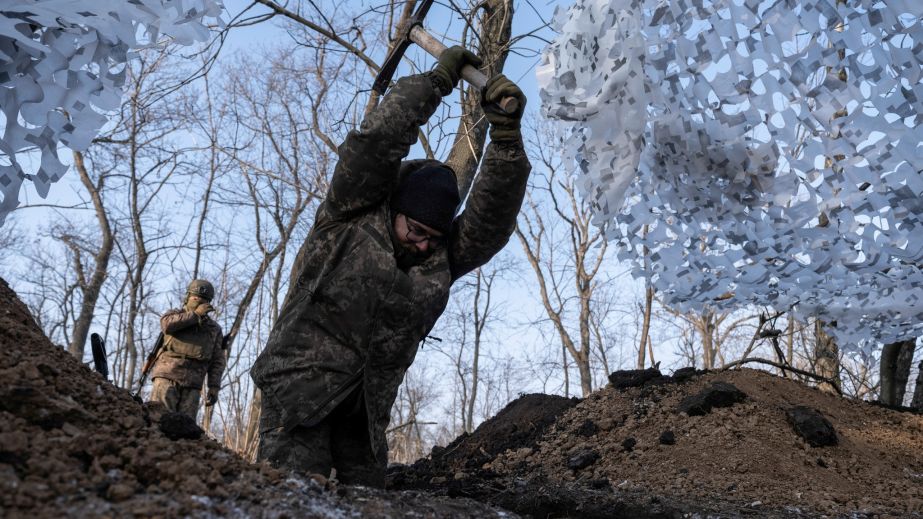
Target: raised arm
(489,218)
(176,320)
(370,157)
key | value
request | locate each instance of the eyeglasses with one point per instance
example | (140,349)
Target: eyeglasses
(417,234)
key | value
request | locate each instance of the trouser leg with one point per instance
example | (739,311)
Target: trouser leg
(340,441)
(166,392)
(351,447)
(189,398)
(303,449)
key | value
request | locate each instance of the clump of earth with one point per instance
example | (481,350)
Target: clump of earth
(694,444)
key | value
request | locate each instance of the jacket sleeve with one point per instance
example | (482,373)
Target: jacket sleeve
(218,361)
(489,218)
(176,320)
(370,158)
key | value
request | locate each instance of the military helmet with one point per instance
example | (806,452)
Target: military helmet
(201,288)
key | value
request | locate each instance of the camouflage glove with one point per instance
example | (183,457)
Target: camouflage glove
(212,397)
(448,70)
(503,126)
(203,309)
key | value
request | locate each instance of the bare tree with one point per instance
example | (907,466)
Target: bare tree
(826,357)
(12,241)
(124,174)
(716,331)
(917,401)
(408,439)
(566,253)
(487,29)
(473,311)
(896,361)
(492,43)
(91,285)
(280,113)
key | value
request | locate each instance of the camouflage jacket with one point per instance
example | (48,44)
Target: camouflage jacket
(352,318)
(191,350)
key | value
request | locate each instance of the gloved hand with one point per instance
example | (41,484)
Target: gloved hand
(203,309)
(212,397)
(503,126)
(451,61)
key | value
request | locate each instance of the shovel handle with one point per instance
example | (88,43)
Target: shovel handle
(473,76)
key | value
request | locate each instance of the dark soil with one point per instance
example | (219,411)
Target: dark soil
(753,445)
(720,444)
(73,445)
(522,422)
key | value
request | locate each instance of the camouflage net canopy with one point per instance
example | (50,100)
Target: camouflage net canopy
(763,152)
(63,66)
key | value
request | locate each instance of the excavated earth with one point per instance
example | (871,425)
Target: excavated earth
(719,444)
(696,444)
(73,445)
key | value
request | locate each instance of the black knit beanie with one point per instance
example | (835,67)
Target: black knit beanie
(429,195)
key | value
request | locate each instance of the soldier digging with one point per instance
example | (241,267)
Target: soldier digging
(192,349)
(374,274)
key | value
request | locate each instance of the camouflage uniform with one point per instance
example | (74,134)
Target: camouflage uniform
(352,319)
(191,350)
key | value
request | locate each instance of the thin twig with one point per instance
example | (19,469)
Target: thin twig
(801,372)
(408,424)
(313,26)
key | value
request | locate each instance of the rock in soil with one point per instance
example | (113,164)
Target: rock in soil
(633,377)
(719,394)
(180,426)
(812,426)
(582,460)
(667,438)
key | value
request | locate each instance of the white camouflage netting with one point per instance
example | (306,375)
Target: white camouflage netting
(772,150)
(62,67)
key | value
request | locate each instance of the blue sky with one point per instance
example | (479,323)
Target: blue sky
(518,292)
(520,69)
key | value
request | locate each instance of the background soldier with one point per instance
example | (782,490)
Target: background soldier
(192,349)
(374,275)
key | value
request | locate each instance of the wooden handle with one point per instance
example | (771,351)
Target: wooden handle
(473,76)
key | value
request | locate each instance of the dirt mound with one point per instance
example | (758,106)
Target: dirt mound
(73,445)
(741,446)
(722,444)
(520,424)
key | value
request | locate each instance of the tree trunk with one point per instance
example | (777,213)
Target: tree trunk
(586,376)
(790,340)
(479,321)
(902,374)
(566,371)
(896,360)
(93,286)
(495,29)
(252,434)
(708,338)
(646,324)
(826,358)
(917,401)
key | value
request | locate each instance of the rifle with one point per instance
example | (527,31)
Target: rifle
(149,363)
